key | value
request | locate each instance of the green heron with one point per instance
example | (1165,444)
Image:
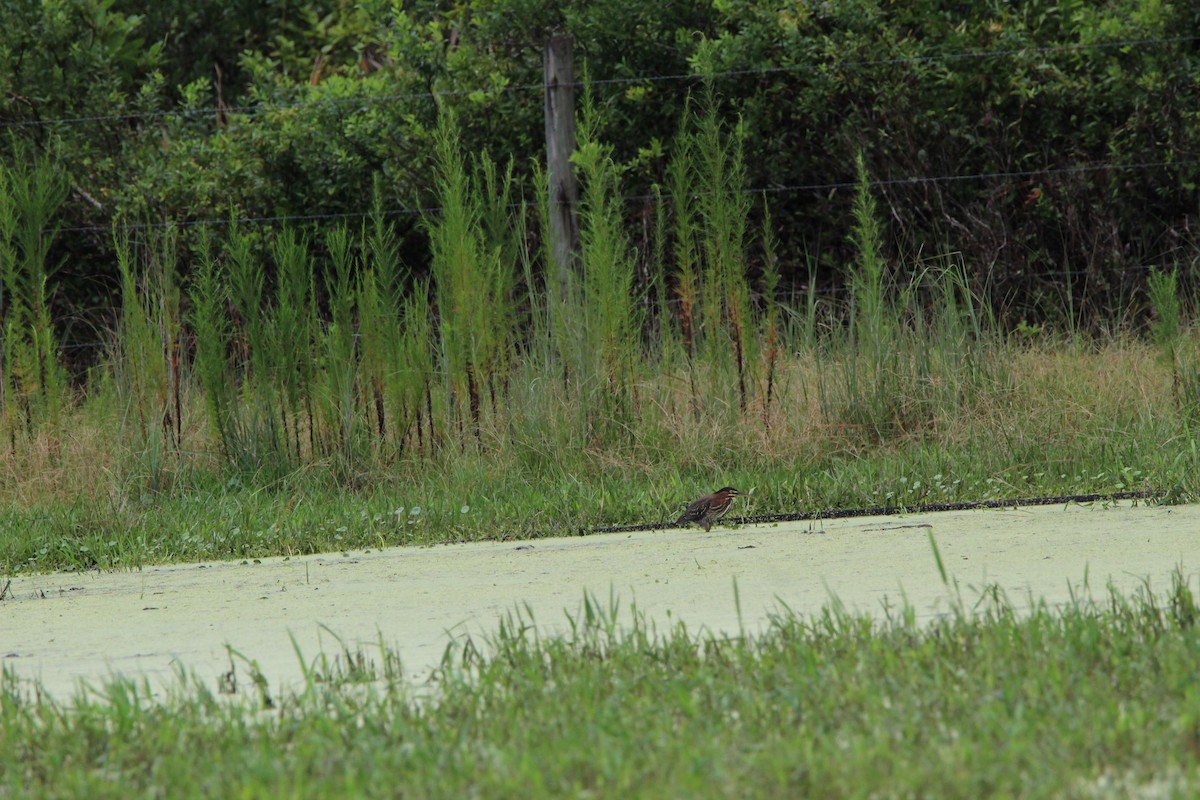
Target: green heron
(709,508)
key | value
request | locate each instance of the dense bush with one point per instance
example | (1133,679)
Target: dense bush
(1059,137)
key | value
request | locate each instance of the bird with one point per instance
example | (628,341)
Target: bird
(709,508)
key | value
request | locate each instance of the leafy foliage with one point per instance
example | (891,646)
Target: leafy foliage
(1072,116)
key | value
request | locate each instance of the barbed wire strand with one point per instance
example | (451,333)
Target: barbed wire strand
(784,189)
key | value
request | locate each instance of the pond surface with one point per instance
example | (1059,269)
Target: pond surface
(64,628)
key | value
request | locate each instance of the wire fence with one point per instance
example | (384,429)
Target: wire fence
(792,299)
(638,198)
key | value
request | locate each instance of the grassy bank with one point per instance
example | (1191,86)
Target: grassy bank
(1100,420)
(1096,699)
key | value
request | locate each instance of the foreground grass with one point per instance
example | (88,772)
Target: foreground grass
(1098,420)
(1097,699)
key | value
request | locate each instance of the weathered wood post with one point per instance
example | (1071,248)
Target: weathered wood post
(560,143)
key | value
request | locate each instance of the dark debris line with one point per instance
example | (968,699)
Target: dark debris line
(883,511)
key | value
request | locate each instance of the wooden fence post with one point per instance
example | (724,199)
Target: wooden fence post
(560,143)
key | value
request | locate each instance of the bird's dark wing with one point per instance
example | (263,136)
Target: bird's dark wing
(695,510)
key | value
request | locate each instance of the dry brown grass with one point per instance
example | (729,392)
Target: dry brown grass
(1055,397)
(91,457)
(76,460)
(1062,394)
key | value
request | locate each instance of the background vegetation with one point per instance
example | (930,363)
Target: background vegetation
(1053,144)
(273,277)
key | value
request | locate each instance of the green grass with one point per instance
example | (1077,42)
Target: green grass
(1095,699)
(121,519)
